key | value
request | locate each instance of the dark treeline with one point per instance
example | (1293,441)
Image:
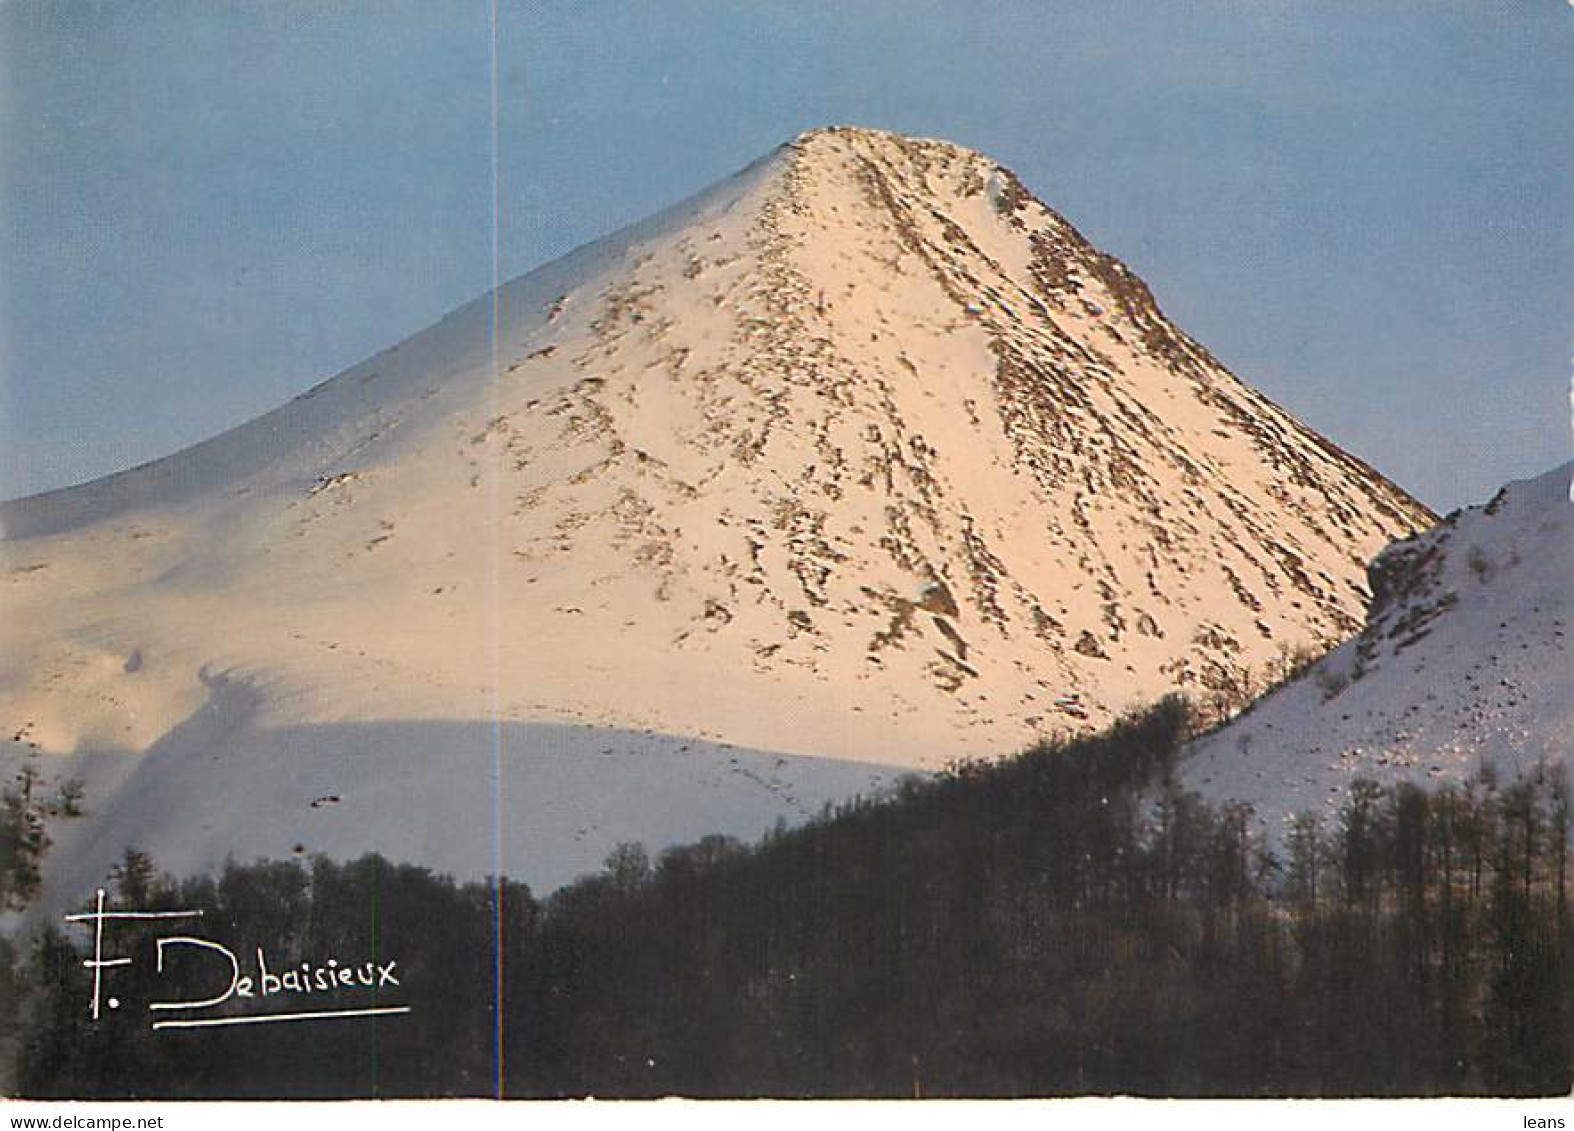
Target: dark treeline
(1061,922)
(25,810)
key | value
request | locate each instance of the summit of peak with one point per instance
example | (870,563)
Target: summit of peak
(842,138)
(865,133)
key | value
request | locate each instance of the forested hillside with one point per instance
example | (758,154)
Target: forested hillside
(1060,922)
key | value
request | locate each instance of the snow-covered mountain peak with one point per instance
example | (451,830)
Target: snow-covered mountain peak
(863,453)
(864,437)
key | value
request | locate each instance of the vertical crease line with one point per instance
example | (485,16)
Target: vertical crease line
(495,587)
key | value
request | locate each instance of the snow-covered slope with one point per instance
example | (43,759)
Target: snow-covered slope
(1464,660)
(862,454)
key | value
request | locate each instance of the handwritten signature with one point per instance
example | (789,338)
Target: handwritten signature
(298,980)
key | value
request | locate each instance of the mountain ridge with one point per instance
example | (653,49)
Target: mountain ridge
(1462,665)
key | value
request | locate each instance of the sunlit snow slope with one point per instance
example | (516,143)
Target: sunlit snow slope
(862,454)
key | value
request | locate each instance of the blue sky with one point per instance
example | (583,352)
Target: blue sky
(206,207)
